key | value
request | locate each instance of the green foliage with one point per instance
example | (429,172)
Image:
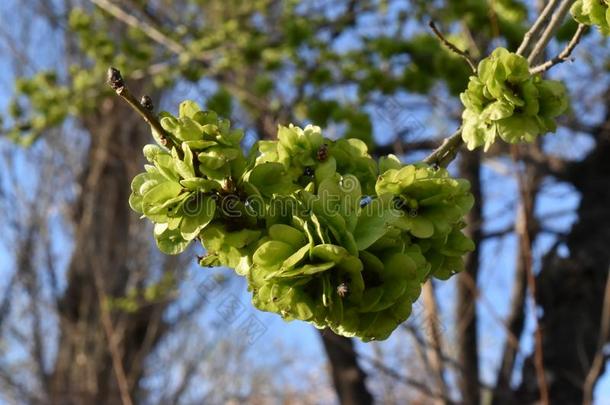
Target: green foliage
(49,99)
(137,299)
(43,94)
(593,12)
(322,232)
(505,100)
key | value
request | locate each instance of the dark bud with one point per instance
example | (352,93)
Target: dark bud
(322,154)
(309,172)
(114,78)
(343,290)
(147,103)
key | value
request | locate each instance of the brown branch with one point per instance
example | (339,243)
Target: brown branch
(550,29)
(511,337)
(435,352)
(565,55)
(463,54)
(403,379)
(445,153)
(514,325)
(116,81)
(599,358)
(115,354)
(422,343)
(523,230)
(537,27)
(151,31)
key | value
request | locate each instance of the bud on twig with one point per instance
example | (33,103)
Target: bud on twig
(147,103)
(114,79)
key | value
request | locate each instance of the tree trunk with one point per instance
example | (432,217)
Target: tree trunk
(571,290)
(468,358)
(107,239)
(348,377)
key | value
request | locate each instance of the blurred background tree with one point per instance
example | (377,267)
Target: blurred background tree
(90,312)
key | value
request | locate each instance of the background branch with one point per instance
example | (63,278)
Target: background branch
(565,54)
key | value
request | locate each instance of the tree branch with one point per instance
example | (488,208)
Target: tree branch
(452,47)
(538,25)
(151,31)
(565,54)
(599,359)
(445,153)
(435,350)
(515,321)
(523,230)
(111,336)
(116,81)
(550,29)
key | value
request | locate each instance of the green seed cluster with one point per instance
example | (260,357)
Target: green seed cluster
(593,12)
(322,232)
(505,100)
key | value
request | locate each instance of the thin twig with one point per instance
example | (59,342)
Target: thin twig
(537,26)
(345,346)
(452,47)
(435,351)
(151,31)
(511,338)
(115,80)
(403,379)
(526,247)
(550,29)
(599,359)
(516,319)
(565,54)
(109,331)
